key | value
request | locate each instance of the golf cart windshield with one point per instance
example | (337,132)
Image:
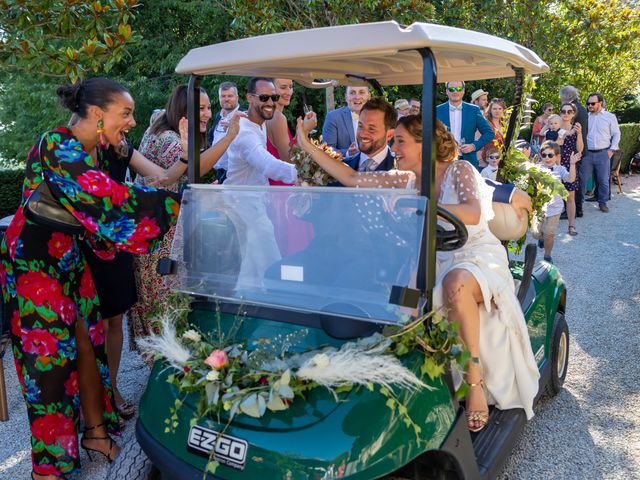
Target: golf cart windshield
(350,252)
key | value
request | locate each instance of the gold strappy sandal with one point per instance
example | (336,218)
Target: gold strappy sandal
(480,417)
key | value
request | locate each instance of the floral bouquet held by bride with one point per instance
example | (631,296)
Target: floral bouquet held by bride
(309,172)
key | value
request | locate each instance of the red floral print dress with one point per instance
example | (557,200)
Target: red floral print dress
(48,287)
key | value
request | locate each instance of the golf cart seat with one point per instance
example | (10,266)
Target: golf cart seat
(506,225)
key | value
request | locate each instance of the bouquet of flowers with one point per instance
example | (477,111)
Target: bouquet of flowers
(309,171)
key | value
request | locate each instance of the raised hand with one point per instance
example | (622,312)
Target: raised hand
(310,121)
(575,158)
(234,124)
(183,128)
(578,128)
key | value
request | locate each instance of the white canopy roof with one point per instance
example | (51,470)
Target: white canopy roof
(385,51)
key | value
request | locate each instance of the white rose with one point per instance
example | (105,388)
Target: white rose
(192,335)
(213,375)
(321,360)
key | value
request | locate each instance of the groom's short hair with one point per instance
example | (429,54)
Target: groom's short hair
(381,105)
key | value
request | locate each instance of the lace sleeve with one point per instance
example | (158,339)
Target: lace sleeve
(465,182)
(390,179)
(469,185)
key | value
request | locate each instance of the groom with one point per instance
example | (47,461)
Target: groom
(463,120)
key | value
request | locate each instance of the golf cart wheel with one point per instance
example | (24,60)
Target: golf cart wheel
(132,464)
(559,354)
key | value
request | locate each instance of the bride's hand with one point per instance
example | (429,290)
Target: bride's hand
(302,139)
(521,201)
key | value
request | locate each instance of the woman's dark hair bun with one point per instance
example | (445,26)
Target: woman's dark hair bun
(70,96)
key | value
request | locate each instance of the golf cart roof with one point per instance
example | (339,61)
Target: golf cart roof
(385,51)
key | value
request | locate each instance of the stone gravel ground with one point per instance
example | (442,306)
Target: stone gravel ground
(591,430)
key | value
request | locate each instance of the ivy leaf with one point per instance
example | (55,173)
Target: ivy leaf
(431,368)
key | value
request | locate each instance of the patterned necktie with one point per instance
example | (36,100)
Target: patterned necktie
(364,166)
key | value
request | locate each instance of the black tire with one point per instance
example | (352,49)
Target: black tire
(132,463)
(559,354)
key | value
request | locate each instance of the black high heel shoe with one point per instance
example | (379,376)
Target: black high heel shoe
(107,455)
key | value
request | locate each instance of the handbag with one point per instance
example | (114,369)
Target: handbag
(43,208)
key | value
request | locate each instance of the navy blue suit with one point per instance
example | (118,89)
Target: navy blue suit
(472,120)
(337,130)
(385,165)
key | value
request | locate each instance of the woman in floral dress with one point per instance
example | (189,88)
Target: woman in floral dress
(56,329)
(162,145)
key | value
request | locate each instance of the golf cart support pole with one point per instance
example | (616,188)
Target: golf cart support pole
(517,101)
(193,115)
(427,263)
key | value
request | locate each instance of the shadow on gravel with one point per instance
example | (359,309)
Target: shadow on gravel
(559,414)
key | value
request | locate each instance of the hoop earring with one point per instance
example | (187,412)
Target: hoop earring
(100,131)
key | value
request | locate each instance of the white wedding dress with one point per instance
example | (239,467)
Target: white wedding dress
(508,365)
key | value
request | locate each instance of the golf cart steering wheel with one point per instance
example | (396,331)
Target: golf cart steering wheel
(447,240)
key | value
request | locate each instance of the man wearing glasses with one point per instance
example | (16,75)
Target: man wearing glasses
(229,104)
(463,120)
(250,163)
(602,140)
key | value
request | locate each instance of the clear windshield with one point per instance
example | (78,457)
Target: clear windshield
(311,249)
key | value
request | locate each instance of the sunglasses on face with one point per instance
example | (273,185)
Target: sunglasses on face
(592,103)
(455,89)
(547,155)
(493,157)
(265,98)
(566,111)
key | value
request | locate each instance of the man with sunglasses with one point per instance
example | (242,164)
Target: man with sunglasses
(249,161)
(463,120)
(602,141)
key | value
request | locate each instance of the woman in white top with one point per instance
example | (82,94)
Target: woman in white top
(474,282)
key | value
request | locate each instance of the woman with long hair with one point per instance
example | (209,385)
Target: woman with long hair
(473,283)
(495,114)
(163,145)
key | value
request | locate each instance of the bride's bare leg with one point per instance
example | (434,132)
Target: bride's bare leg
(462,295)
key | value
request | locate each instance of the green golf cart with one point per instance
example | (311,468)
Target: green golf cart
(368,262)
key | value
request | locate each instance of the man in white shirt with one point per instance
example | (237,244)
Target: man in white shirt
(249,162)
(603,137)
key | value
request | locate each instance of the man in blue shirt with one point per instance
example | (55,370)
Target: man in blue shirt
(463,120)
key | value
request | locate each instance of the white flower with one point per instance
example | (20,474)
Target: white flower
(321,360)
(213,375)
(192,335)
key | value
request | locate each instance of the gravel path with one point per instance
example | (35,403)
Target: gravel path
(590,430)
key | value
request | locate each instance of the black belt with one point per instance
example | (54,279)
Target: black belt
(601,150)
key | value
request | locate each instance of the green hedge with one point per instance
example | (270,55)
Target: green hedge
(629,133)
(10,189)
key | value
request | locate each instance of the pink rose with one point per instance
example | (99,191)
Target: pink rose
(217,359)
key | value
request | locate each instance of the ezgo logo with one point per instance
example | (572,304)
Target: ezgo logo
(230,451)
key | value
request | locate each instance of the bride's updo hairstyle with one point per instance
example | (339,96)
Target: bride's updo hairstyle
(98,91)
(446,145)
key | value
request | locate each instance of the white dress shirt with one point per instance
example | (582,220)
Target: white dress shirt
(455,120)
(222,127)
(249,162)
(604,132)
(376,160)
(354,118)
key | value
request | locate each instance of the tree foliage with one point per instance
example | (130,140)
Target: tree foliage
(65,38)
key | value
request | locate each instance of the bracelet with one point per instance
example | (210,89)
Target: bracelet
(184,160)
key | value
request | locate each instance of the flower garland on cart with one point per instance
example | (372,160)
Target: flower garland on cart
(250,378)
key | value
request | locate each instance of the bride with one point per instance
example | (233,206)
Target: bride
(474,282)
